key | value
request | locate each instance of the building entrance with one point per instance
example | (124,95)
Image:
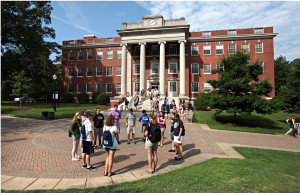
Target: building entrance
(155,85)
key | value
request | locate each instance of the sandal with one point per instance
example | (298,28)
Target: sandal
(105,173)
(113,173)
(149,172)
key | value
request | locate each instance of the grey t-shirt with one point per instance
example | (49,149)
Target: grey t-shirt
(131,119)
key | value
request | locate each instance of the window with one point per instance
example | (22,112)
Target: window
(195,68)
(71,56)
(109,71)
(172,49)
(136,68)
(137,87)
(258,47)
(172,68)
(206,33)
(79,88)
(70,72)
(207,68)
(195,87)
(90,55)
(155,50)
(194,50)
(154,68)
(219,66)
(173,86)
(109,88)
(70,87)
(119,53)
(90,41)
(79,72)
(98,87)
(99,71)
(118,71)
(231,32)
(109,39)
(89,88)
(207,87)
(118,87)
(109,54)
(89,72)
(232,48)
(206,49)
(263,66)
(137,50)
(72,42)
(80,56)
(258,31)
(99,54)
(219,49)
(245,48)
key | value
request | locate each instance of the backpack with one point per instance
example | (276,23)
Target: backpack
(154,134)
(183,130)
(183,107)
(107,139)
(83,133)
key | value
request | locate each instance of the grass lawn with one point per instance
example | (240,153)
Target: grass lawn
(63,110)
(256,123)
(261,171)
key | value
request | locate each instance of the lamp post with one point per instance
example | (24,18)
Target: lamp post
(54,93)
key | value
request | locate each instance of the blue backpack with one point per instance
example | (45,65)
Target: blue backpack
(83,133)
(107,139)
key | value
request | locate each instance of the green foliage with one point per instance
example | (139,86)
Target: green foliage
(68,98)
(285,100)
(6,91)
(94,97)
(238,88)
(281,71)
(83,98)
(20,84)
(103,99)
(203,101)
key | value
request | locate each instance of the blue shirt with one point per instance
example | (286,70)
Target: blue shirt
(145,119)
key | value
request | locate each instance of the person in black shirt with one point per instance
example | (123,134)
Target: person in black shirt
(126,104)
(98,120)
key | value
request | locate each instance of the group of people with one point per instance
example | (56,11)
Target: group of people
(86,129)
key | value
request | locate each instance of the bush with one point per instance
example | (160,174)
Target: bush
(94,97)
(6,91)
(83,98)
(103,99)
(203,101)
(68,98)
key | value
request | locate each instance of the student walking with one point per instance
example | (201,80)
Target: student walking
(126,104)
(162,125)
(75,125)
(136,102)
(178,136)
(130,125)
(171,133)
(98,126)
(88,143)
(117,115)
(110,150)
(291,122)
(144,120)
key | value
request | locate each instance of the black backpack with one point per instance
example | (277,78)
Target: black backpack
(107,139)
(183,130)
(154,135)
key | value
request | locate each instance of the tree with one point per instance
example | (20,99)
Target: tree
(6,91)
(20,85)
(286,99)
(83,97)
(281,72)
(238,89)
(203,101)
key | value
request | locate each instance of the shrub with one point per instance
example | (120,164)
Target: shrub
(83,98)
(103,99)
(6,91)
(94,97)
(203,101)
(68,98)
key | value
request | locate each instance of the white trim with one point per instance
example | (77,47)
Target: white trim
(134,87)
(77,88)
(192,87)
(117,87)
(82,56)
(87,55)
(87,71)
(234,48)
(69,71)
(69,87)
(112,55)
(204,68)
(173,61)
(111,71)
(117,70)
(69,56)
(262,47)
(106,88)
(220,49)
(97,87)
(99,55)
(154,62)
(136,62)
(192,50)
(192,68)
(78,71)
(120,54)
(97,71)
(86,87)
(169,87)
(206,87)
(207,49)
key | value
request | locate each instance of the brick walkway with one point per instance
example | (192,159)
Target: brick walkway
(36,150)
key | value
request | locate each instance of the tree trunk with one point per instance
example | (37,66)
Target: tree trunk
(20,103)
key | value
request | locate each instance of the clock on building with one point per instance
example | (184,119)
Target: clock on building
(152,22)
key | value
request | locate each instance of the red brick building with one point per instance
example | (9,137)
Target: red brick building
(159,53)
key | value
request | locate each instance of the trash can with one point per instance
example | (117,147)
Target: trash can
(50,115)
(45,114)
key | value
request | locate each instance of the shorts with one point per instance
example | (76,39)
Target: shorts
(163,129)
(126,106)
(176,139)
(76,137)
(292,126)
(98,131)
(150,145)
(157,110)
(143,129)
(135,104)
(109,149)
(130,129)
(172,136)
(118,126)
(81,144)
(87,147)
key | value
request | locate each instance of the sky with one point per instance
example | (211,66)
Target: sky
(74,19)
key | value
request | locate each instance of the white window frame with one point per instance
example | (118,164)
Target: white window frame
(99,56)
(90,41)
(220,49)
(99,67)
(206,34)
(258,47)
(152,68)
(172,61)
(196,46)
(206,85)
(78,72)
(106,88)
(69,88)
(170,49)
(196,64)
(119,55)
(87,55)
(72,42)
(79,55)
(193,84)
(87,70)
(263,66)
(219,66)
(112,54)
(69,72)
(205,49)
(258,30)
(107,70)
(234,48)
(170,87)
(231,32)
(120,70)
(137,63)
(204,68)
(109,39)
(87,88)
(248,49)
(118,86)
(97,87)
(78,88)
(69,56)
(135,87)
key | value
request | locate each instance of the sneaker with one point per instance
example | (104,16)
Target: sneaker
(171,150)
(91,168)
(75,159)
(79,157)
(84,165)
(95,145)
(128,142)
(119,142)
(134,142)
(177,158)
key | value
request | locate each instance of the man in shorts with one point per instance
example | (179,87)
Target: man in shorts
(144,119)
(98,126)
(117,115)
(130,124)
(126,104)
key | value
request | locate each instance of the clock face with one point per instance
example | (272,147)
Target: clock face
(152,22)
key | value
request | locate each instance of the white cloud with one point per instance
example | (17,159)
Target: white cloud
(283,16)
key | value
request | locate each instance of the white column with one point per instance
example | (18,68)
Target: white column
(162,66)
(123,70)
(182,68)
(142,65)
(129,71)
